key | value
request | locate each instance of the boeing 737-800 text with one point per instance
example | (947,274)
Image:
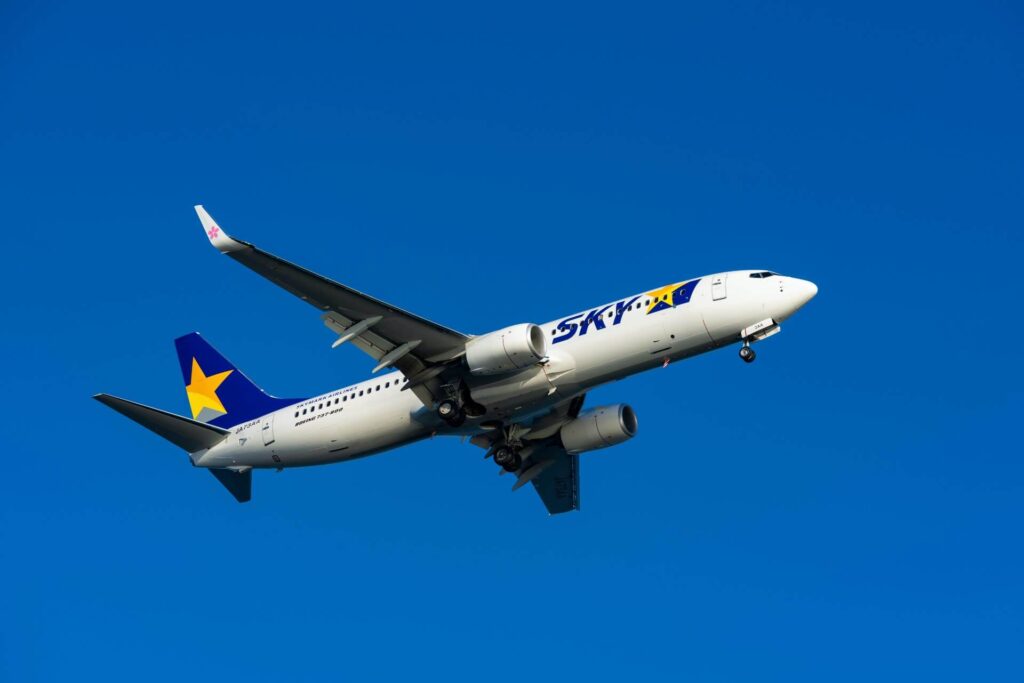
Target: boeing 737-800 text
(517,392)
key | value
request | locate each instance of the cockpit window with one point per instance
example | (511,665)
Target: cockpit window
(763,273)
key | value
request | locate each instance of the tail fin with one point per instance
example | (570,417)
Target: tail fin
(218,392)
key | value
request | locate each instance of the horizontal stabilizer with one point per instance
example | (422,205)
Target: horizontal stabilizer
(238,483)
(182,432)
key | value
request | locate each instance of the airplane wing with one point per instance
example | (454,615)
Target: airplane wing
(558,484)
(416,346)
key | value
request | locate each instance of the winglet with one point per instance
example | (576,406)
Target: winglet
(218,237)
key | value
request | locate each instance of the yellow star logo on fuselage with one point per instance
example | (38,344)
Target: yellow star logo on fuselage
(202,390)
(662,298)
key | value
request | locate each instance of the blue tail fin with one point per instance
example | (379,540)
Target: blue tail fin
(218,392)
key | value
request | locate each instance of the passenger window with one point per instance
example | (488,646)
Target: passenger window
(387,384)
(360,392)
(303,411)
(344,398)
(296,413)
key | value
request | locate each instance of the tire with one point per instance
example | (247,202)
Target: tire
(516,463)
(447,410)
(503,456)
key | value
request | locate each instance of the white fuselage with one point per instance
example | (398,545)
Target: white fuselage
(586,350)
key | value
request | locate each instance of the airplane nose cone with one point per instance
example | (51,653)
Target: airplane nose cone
(795,293)
(806,290)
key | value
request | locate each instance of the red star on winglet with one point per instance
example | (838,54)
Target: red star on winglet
(212,232)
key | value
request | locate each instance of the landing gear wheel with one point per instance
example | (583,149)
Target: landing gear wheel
(503,455)
(514,464)
(450,412)
(508,458)
(747,354)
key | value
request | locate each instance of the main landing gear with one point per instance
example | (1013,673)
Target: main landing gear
(746,353)
(451,412)
(457,405)
(510,450)
(508,458)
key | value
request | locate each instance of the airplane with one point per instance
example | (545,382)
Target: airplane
(517,392)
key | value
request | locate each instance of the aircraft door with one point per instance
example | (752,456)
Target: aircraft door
(718,287)
(268,429)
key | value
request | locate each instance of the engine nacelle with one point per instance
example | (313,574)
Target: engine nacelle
(599,428)
(507,350)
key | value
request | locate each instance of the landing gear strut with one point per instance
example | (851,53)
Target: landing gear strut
(746,353)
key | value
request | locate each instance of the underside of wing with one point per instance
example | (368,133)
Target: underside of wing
(393,337)
(559,483)
(542,459)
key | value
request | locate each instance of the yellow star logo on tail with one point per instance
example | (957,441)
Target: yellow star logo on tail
(202,391)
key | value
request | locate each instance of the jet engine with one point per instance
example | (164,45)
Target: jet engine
(507,350)
(599,428)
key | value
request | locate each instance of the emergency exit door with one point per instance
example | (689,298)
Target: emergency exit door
(718,287)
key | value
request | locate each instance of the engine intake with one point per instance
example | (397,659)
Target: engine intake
(507,350)
(599,428)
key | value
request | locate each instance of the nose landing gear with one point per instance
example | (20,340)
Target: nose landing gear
(756,332)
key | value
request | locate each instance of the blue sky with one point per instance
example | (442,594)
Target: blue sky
(848,507)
